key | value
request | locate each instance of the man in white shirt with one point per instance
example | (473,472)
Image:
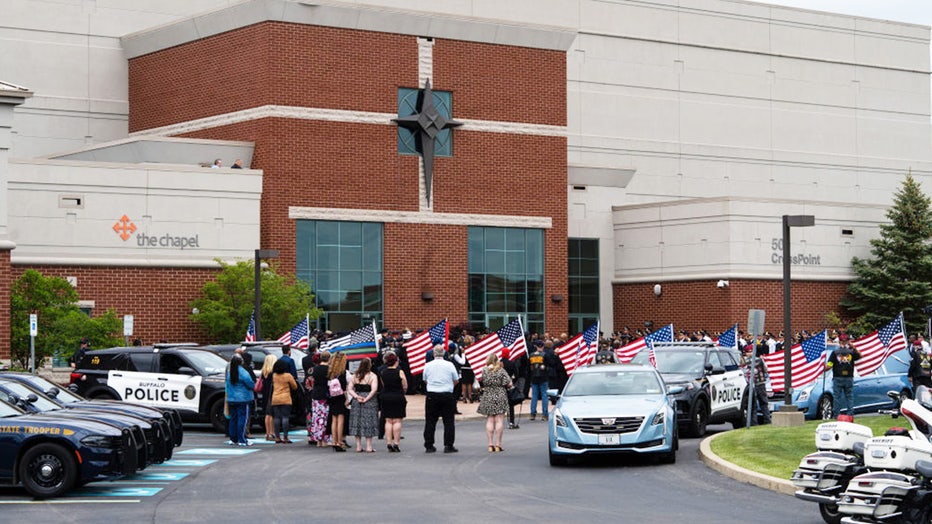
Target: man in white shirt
(440,378)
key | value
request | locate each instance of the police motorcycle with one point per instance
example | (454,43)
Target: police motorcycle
(823,475)
(898,486)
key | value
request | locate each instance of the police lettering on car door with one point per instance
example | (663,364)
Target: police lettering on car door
(161,390)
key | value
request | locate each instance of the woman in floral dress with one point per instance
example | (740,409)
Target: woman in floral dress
(494,400)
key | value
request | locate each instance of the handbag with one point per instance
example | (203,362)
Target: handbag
(515,396)
(258,387)
(334,387)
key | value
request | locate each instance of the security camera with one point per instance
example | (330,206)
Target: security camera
(722,283)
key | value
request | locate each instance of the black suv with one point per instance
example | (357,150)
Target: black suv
(715,385)
(258,351)
(175,376)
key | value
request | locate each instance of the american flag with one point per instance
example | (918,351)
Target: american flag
(876,347)
(729,339)
(417,347)
(807,362)
(626,353)
(297,337)
(652,356)
(251,330)
(511,336)
(580,350)
(363,334)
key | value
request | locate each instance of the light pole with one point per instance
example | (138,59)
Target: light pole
(788,222)
(260,254)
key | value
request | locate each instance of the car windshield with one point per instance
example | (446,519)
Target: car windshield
(615,382)
(22,391)
(64,396)
(205,362)
(7,410)
(688,362)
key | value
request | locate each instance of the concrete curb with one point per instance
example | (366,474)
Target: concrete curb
(741,474)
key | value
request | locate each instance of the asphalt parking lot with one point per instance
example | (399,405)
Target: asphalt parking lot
(207,481)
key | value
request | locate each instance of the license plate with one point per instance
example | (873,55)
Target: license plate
(609,440)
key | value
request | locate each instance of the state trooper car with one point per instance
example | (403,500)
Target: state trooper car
(157,434)
(49,455)
(67,398)
(715,386)
(176,376)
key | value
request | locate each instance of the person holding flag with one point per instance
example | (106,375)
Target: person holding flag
(842,365)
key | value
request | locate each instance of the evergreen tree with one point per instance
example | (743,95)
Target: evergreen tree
(899,276)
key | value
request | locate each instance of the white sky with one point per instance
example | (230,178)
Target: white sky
(912,11)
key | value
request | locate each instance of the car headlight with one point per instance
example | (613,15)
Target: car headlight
(659,417)
(101,441)
(558,418)
(804,394)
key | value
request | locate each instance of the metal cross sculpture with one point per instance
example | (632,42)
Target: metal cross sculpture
(426,123)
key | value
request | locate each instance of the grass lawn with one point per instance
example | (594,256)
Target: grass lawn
(777,451)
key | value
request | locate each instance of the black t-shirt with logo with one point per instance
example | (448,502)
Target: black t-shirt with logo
(538,364)
(843,360)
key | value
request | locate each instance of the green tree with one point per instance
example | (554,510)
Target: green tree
(899,276)
(61,324)
(226,303)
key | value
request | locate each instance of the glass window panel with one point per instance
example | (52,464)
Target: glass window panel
(328,257)
(351,233)
(494,284)
(328,280)
(328,233)
(589,287)
(588,267)
(514,262)
(477,292)
(350,258)
(494,238)
(514,302)
(372,246)
(372,298)
(589,248)
(573,248)
(515,239)
(351,280)
(573,269)
(352,301)
(535,252)
(329,299)
(495,262)
(476,250)
(495,302)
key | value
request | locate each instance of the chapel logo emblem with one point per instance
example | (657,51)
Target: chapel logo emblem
(124,227)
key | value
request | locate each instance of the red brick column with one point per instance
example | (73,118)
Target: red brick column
(6,281)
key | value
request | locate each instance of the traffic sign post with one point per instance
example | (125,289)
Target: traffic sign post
(33,331)
(127,328)
(755,328)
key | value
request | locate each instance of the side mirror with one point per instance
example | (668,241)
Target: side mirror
(553,394)
(895,395)
(53,392)
(185,370)
(716,371)
(675,390)
(708,368)
(32,398)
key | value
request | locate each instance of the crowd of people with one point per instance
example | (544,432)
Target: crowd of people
(369,401)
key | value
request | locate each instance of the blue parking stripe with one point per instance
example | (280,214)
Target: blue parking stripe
(110,490)
(185,463)
(231,451)
(162,476)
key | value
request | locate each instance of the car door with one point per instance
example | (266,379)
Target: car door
(736,378)
(718,385)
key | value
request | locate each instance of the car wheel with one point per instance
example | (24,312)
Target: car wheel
(825,408)
(698,419)
(556,460)
(217,418)
(47,470)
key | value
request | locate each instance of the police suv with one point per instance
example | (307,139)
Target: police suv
(715,386)
(49,455)
(176,376)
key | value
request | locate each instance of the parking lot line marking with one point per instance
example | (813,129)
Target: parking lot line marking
(147,476)
(218,451)
(185,463)
(117,491)
(71,501)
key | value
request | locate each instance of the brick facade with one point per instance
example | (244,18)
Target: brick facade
(158,298)
(315,163)
(6,281)
(702,305)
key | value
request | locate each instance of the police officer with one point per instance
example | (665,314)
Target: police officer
(606,355)
(79,354)
(842,365)
(920,367)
